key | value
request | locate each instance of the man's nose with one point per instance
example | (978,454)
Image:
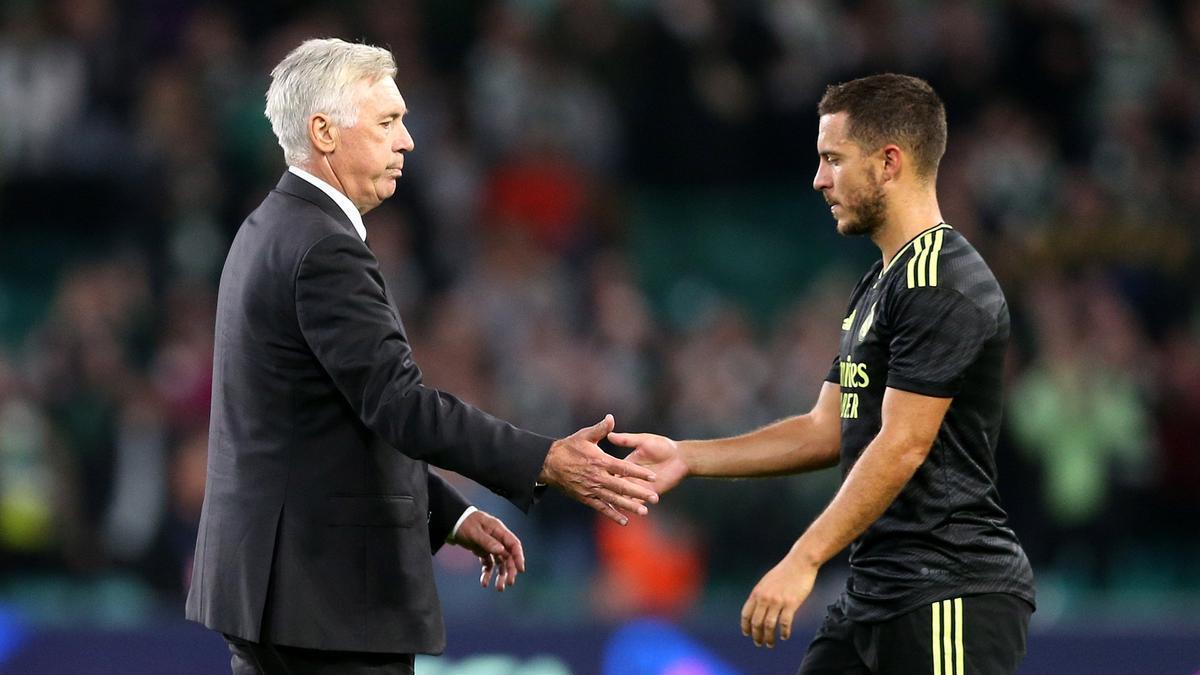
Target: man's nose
(404,142)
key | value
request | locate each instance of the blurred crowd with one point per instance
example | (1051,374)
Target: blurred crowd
(132,143)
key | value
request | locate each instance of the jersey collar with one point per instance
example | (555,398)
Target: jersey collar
(904,249)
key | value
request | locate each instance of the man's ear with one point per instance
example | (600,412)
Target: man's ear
(893,162)
(322,133)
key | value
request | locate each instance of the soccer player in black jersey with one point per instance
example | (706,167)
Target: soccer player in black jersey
(910,411)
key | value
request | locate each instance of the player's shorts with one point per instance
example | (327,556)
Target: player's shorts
(976,634)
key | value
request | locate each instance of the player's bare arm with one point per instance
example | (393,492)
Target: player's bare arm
(794,445)
(910,425)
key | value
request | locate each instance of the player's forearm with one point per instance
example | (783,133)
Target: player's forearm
(792,445)
(881,472)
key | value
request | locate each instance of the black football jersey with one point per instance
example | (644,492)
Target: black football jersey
(934,322)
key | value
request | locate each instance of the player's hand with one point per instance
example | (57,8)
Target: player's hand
(614,487)
(658,453)
(500,553)
(774,601)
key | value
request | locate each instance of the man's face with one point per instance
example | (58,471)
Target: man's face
(848,179)
(368,157)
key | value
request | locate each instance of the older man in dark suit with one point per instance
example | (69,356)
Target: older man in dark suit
(321,514)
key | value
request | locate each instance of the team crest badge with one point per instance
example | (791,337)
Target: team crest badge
(866,324)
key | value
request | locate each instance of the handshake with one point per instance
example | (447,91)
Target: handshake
(617,488)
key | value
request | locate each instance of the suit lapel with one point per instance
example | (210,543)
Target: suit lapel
(295,186)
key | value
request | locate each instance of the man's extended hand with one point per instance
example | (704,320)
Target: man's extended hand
(578,467)
(499,550)
(658,453)
(775,599)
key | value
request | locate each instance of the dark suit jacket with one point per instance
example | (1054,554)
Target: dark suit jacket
(320,513)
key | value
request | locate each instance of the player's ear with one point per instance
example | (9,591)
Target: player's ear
(893,161)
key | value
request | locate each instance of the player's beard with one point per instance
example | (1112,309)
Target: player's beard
(869,211)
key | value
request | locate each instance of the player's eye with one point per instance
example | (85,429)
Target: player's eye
(387,124)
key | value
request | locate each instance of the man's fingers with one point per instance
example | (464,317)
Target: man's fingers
(516,552)
(622,503)
(488,564)
(513,551)
(620,467)
(501,577)
(627,487)
(597,431)
(510,571)
(641,483)
(489,543)
(607,510)
(501,556)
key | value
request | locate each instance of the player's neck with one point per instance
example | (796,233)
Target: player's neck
(907,216)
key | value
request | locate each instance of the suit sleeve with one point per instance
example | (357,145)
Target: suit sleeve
(357,336)
(446,506)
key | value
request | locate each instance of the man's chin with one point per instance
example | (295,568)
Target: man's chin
(850,228)
(385,188)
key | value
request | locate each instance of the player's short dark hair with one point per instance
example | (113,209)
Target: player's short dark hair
(891,108)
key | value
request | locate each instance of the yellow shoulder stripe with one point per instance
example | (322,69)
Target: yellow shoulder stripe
(923,265)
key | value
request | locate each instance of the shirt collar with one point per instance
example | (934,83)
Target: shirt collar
(338,198)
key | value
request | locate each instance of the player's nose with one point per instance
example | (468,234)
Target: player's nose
(822,181)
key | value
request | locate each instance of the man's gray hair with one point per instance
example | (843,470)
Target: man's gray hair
(319,77)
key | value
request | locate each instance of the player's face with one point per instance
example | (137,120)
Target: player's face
(369,156)
(848,179)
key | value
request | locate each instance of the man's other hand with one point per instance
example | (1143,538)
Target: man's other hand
(499,550)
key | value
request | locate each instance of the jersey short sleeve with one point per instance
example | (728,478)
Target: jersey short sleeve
(835,375)
(936,335)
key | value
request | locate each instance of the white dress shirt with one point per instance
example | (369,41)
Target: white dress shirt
(338,198)
(454,533)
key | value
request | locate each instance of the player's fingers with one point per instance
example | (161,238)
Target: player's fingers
(786,616)
(747,613)
(756,623)
(621,468)
(627,440)
(641,483)
(770,621)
